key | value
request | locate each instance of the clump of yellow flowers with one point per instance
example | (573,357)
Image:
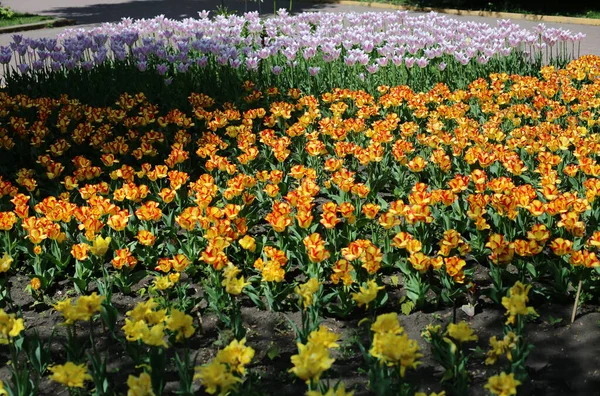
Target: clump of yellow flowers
(140,386)
(147,323)
(5,262)
(367,294)
(232,283)
(501,347)
(313,358)
(516,302)
(226,370)
(10,326)
(461,332)
(70,374)
(306,291)
(340,390)
(503,384)
(84,308)
(391,346)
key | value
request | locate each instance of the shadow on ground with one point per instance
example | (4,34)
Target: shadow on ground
(175,9)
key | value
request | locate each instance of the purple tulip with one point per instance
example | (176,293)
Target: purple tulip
(313,71)
(276,70)
(162,69)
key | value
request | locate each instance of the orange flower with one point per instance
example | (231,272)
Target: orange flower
(342,270)
(414,246)
(454,266)
(80,251)
(180,262)
(502,250)
(304,218)
(450,240)
(119,221)
(280,217)
(329,219)
(419,261)
(7,220)
(149,211)
(315,248)
(561,247)
(417,164)
(570,221)
(272,190)
(388,220)
(360,189)
(539,233)
(35,284)
(167,195)
(146,238)
(370,210)
(164,265)
(527,247)
(123,257)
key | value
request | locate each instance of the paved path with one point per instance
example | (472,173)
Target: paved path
(89,13)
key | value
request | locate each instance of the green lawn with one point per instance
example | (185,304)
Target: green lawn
(588,14)
(22,19)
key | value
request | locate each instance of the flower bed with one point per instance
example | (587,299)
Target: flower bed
(310,51)
(335,211)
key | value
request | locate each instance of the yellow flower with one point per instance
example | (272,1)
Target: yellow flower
(70,374)
(68,311)
(503,384)
(100,246)
(3,391)
(135,330)
(146,311)
(311,361)
(174,277)
(180,323)
(393,349)
(429,330)
(461,332)
(10,326)
(163,282)
(216,376)
(498,348)
(84,308)
(230,271)
(324,337)
(140,386)
(233,285)
(368,294)
(248,243)
(156,336)
(5,262)
(307,291)
(237,355)
(387,323)
(340,391)
(516,302)
(89,305)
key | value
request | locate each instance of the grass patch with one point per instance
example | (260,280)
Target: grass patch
(23,19)
(591,14)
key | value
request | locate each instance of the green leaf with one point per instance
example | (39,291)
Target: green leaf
(532,270)
(273,352)
(407,307)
